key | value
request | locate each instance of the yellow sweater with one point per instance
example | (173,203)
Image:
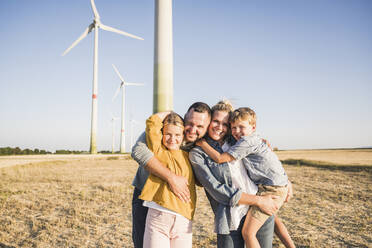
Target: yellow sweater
(177,161)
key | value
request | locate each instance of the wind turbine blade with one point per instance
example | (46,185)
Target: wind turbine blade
(117,72)
(96,15)
(107,28)
(82,36)
(138,84)
(117,92)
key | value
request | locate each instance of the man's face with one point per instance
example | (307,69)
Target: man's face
(196,125)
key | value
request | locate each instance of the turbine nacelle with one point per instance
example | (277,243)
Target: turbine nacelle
(123,83)
(98,24)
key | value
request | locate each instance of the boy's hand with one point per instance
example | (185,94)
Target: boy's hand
(200,142)
(290,192)
(267,143)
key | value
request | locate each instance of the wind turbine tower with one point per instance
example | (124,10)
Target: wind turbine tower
(113,119)
(96,24)
(122,87)
(163,57)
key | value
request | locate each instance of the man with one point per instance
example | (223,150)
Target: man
(197,119)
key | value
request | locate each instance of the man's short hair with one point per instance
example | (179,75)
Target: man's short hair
(200,107)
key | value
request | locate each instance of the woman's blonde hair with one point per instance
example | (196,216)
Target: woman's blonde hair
(223,105)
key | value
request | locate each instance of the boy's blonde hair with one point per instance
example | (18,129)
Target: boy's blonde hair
(243,114)
(173,119)
(223,105)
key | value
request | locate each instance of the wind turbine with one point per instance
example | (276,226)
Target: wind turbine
(113,119)
(96,24)
(122,86)
(163,57)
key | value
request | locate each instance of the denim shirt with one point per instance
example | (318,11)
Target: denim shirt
(216,179)
(262,164)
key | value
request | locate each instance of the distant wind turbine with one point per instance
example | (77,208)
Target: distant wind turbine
(96,24)
(122,86)
(113,119)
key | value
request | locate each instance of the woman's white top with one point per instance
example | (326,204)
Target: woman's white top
(240,179)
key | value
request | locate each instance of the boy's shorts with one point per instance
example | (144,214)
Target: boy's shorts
(280,191)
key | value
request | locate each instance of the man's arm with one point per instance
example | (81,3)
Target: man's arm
(215,155)
(144,157)
(140,152)
(265,203)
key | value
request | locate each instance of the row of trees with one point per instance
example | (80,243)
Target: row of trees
(19,151)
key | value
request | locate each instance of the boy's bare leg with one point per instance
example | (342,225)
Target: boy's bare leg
(250,229)
(282,233)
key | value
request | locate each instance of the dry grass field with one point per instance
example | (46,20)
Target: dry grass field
(86,202)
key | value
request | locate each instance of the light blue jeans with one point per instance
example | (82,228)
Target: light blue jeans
(235,238)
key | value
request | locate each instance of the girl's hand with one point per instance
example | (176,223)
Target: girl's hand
(162,115)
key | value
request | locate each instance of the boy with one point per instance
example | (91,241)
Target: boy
(264,167)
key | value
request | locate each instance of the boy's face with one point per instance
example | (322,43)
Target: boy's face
(241,128)
(172,136)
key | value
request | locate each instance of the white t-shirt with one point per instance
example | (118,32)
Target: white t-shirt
(154,205)
(240,179)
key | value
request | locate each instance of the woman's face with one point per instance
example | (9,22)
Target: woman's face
(219,125)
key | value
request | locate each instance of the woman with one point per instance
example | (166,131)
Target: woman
(229,189)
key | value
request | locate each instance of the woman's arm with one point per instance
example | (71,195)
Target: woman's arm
(282,233)
(220,192)
(215,155)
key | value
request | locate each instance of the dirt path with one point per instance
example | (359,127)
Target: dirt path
(6,161)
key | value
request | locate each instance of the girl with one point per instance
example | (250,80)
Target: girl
(168,222)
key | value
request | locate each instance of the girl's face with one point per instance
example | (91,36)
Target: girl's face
(172,136)
(219,126)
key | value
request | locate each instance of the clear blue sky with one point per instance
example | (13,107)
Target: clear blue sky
(305,67)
